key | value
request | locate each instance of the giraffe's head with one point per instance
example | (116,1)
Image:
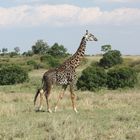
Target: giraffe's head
(90,37)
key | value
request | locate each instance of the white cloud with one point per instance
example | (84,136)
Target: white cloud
(66,15)
(122,16)
(123,1)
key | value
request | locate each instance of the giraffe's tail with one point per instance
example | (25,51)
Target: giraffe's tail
(38,92)
(36,95)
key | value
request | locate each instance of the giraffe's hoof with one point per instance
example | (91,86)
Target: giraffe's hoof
(55,109)
(40,108)
(37,109)
(75,110)
(49,110)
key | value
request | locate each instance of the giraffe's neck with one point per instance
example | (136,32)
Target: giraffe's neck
(76,58)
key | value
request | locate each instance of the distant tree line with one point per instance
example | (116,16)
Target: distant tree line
(42,48)
(4,51)
(39,48)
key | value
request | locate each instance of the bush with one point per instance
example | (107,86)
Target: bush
(50,60)
(12,75)
(29,53)
(111,58)
(31,62)
(34,64)
(12,54)
(92,78)
(121,77)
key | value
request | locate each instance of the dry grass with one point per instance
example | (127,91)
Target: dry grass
(102,116)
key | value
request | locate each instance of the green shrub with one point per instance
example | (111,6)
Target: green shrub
(92,78)
(50,60)
(121,77)
(111,58)
(34,64)
(12,54)
(29,53)
(31,62)
(12,74)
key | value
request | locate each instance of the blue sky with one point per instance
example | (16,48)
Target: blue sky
(114,22)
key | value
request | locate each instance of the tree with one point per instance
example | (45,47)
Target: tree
(4,50)
(106,48)
(40,47)
(110,59)
(57,50)
(17,50)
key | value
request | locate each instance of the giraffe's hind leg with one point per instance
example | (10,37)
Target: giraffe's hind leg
(41,99)
(60,96)
(47,94)
(40,92)
(73,97)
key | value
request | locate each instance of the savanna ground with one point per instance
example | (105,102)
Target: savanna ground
(103,115)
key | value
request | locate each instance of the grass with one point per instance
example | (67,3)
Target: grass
(105,115)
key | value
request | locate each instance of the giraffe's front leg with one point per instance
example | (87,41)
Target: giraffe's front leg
(73,98)
(60,97)
(48,106)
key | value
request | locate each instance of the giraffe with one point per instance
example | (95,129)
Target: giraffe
(64,75)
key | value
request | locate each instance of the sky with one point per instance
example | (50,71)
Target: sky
(114,22)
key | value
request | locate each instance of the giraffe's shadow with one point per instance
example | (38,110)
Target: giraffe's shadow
(39,111)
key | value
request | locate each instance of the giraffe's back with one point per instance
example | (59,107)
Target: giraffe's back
(65,73)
